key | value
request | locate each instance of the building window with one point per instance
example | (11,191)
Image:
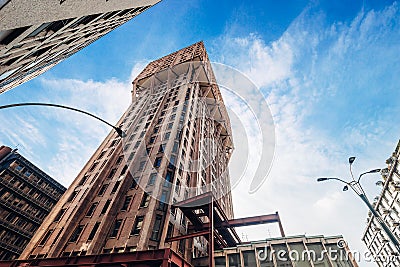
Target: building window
(103,189)
(141,165)
(59,215)
(167,135)
(92,209)
(168,179)
(137,144)
(173,208)
(157,162)
(124,169)
(155,234)
(104,210)
(119,160)
(152,178)
(137,226)
(134,182)
(178,186)
(115,230)
(182,246)
(183,221)
(170,230)
(11,35)
(76,233)
(127,201)
(101,154)
(175,147)
(93,167)
(161,148)
(18,167)
(83,20)
(94,230)
(172,161)
(83,180)
(73,195)
(116,185)
(145,200)
(112,173)
(46,237)
(163,200)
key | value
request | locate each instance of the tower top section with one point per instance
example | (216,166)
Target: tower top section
(194,52)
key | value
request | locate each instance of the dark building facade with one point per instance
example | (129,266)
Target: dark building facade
(27,196)
(178,146)
(36,35)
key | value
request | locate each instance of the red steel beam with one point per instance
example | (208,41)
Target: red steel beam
(192,235)
(248,221)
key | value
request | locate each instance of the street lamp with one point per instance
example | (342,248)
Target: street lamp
(357,188)
(119,131)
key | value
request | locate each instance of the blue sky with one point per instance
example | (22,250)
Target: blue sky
(329,71)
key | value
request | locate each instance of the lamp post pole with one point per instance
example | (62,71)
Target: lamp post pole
(357,188)
(117,129)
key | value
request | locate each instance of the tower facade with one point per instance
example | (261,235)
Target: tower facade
(27,195)
(387,204)
(178,145)
(36,35)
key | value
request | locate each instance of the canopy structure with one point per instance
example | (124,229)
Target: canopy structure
(208,219)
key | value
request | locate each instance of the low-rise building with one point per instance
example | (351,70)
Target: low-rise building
(295,251)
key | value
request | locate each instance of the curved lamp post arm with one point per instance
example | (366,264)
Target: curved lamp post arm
(331,178)
(371,171)
(119,131)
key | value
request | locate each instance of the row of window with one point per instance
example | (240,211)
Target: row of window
(15,220)
(34,180)
(114,231)
(13,239)
(26,191)
(21,205)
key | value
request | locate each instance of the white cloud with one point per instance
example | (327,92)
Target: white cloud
(79,135)
(310,77)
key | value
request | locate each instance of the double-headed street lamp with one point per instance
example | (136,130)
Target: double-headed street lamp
(357,188)
(117,129)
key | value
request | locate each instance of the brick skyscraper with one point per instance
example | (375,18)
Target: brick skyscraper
(178,146)
(36,35)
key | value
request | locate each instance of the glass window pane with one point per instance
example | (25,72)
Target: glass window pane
(234,260)
(219,261)
(298,255)
(249,258)
(320,260)
(264,257)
